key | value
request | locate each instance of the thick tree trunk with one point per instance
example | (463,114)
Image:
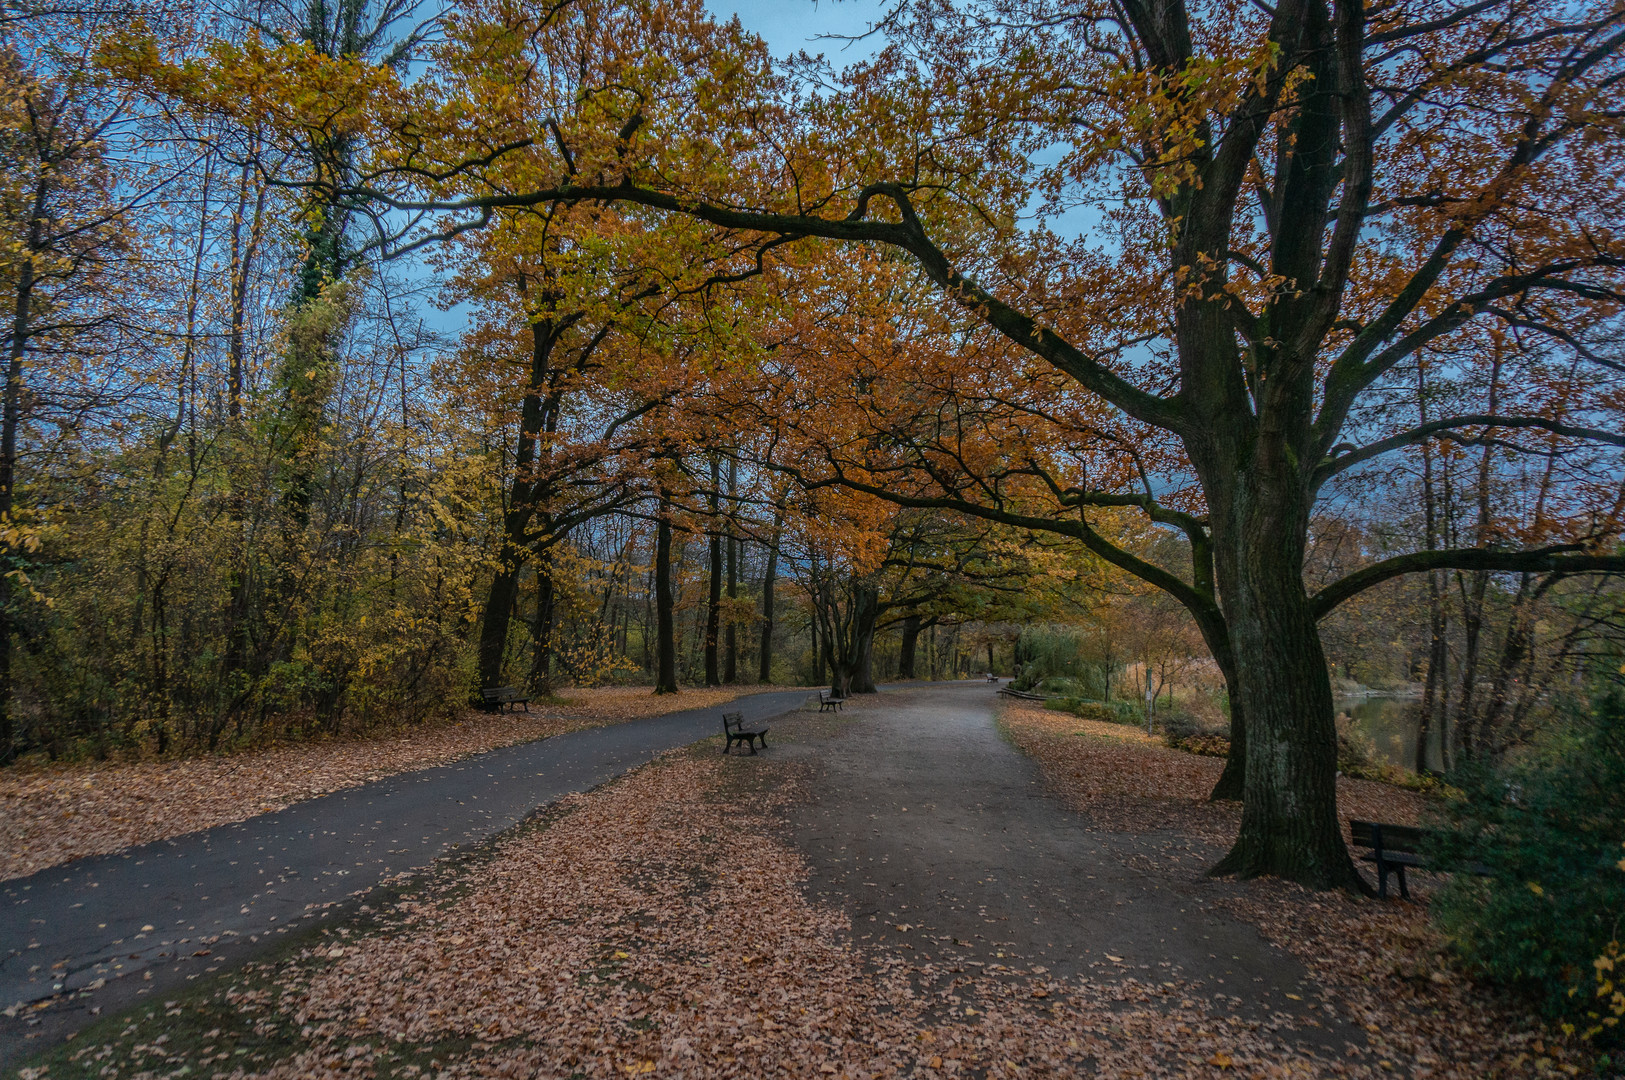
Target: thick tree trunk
(1289,824)
(906,650)
(516,523)
(1232,783)
(665,623)
(499,602)
(852,648)
(769,583)
(818,652)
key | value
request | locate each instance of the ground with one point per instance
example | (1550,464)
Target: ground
(55,812)
(894,892)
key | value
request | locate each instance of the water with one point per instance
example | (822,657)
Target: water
(1390,724)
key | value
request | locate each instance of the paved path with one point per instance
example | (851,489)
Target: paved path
(922,815)
(150,916)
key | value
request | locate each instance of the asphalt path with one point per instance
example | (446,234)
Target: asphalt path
(108,927)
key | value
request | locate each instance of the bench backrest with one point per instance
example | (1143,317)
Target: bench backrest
(732,721)
(823,695)
(1392,837)
(499,693)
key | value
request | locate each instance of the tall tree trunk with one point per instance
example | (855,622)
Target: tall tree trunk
(730,650)
(665,622)
(1429,711)
(905,651)
(10,419)
(851,642)
(863,646)
(817,649)
(516,522)
(1232,782)
(769,582)
(1289,823)
(541,629)
(713,603)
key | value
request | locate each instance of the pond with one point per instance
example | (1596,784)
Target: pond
(1390,724)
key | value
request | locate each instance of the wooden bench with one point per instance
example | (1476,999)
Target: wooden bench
(496,697)
(827,701)
(992,677)
(733,730)
(1393,848)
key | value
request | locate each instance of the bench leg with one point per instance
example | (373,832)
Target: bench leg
(1382,880)
(1404,888)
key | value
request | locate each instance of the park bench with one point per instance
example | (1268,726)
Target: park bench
(1393,848)
(498,696)
(829,702)
(992,677)
(733,730)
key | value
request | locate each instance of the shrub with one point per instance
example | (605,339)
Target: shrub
(1548,830)
(1107,712)
(1182,731)
(1062,655)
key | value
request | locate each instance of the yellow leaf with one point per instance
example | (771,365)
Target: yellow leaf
(1221,1059)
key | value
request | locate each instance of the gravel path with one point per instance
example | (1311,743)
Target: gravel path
(923,817)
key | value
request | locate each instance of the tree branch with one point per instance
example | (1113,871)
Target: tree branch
(1544,561)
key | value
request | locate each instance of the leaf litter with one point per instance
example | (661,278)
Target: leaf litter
(52,814)
(657,926)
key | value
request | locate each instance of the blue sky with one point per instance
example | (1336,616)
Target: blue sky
(790,25)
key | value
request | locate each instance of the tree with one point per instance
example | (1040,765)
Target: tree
(1296,201)
(1305,213)
(63,225)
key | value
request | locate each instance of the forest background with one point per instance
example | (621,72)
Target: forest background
(254,488)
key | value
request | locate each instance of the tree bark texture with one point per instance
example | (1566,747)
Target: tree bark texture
(665,602)
(769,584)
(906,648)
(541,630)
(713,600)
(730,643)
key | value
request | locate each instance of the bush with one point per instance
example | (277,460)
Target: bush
(1549,830)
(1061,655)
(1182,731)
(1107,712)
